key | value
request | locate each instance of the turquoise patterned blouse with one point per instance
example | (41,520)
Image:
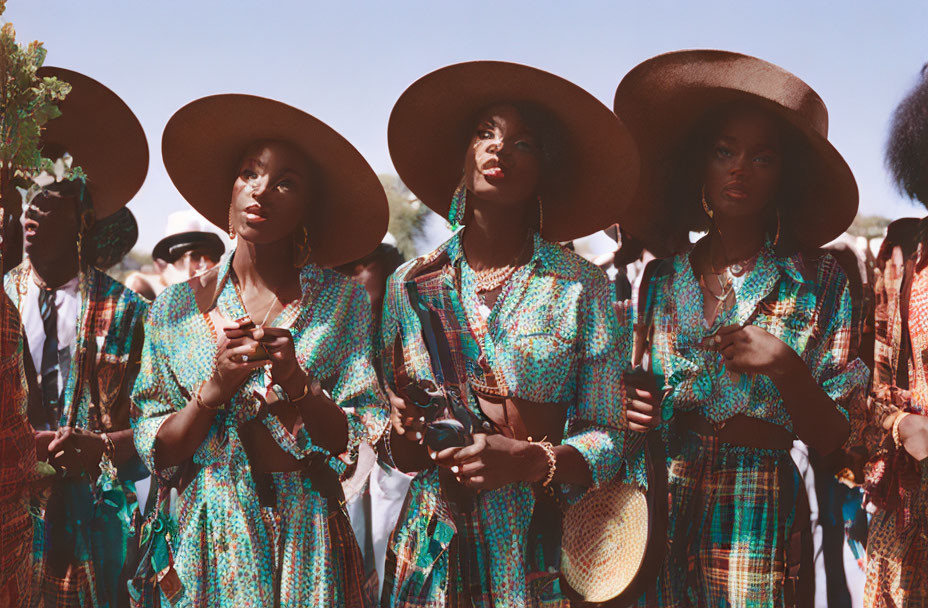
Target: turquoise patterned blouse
(229,550)
(806,305)
(552,337)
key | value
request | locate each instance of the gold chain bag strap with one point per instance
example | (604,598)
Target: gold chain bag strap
(614,538)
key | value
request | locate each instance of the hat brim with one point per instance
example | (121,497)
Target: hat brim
(664,99)
(203,143)
(431,122)
(102,135)
(206,241)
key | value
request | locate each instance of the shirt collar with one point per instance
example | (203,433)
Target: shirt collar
(310,275)
(541,249)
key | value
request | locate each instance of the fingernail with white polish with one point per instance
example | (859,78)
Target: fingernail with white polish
(454,469)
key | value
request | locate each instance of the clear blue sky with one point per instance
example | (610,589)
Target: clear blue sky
(347,62)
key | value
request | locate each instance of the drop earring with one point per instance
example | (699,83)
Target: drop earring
(458,203)
(301,249)
(231,228)
(705,203)
(541,215)
(776,239)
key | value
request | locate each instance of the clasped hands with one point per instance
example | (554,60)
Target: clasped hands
(72,451)
(238,345)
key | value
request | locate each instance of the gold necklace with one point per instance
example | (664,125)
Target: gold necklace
(491,280)
(241,299)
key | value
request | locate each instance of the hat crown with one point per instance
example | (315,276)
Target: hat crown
(711,69)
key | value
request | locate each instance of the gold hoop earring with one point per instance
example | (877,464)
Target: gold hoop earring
(231,228)
(776,239)
(87,219)
(301,249)
(541,215)
(705,203)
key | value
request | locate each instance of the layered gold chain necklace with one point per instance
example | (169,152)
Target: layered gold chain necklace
(727,275)
(492,279)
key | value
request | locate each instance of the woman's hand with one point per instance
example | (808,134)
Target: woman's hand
(643,401)
(75,451)
(42,441)
(234,342)
(407,418)
(285,369)
(751,350)
(913,433)
(494,461)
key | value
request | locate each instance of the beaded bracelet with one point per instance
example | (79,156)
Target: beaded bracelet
(896,422)
(552,461)
(387,445)
(109,448)
(106,459)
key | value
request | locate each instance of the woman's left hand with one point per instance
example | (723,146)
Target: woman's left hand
(750,350)
(494,461)
(285,369)
(75,451)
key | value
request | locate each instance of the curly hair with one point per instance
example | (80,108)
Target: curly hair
(907,147)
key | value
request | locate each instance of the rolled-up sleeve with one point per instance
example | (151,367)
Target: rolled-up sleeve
(842,376)
(598,423)
(154,398)
(356,389)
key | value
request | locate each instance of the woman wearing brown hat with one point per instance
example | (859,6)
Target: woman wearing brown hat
(749,331)
(257,386)
(501,340)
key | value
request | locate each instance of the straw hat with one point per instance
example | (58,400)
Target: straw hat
(203,144)
(431,124)
(665,99)
(102,135)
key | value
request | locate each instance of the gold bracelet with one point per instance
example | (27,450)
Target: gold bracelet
(201,404)
(304,393)
(896,422)
(548,447)
(109,448)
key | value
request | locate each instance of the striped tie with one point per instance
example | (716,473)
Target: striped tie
(50,392)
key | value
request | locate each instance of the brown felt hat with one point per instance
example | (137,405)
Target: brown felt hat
(665,99)
(103,137)
(203,144)
(431,124)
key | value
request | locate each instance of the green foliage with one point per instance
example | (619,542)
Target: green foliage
(26,102)
(869,226)
(407,214)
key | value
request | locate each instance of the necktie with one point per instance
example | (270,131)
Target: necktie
(49,371)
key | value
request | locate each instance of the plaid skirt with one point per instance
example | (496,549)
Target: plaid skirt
(897,551)
(734,537)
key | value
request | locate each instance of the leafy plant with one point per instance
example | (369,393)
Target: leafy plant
(407,214)
(869,226)
(26,104)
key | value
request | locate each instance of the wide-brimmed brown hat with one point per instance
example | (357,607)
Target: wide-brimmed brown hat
(203,144)
(665,99)
(431,124)
(102,135)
